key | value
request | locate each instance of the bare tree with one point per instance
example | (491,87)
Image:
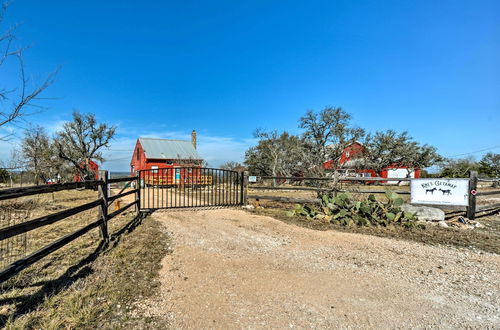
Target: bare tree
(36,151)
(233,166)
(81,141)
(276,154)
(17,100)
(327,133)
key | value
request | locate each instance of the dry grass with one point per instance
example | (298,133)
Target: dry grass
(85,285)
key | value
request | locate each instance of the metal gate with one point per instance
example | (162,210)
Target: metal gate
(189,187)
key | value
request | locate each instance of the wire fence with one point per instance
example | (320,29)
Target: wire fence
(16,247)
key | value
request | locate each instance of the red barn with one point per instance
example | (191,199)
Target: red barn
(355,151)
(154,154)
(93,167)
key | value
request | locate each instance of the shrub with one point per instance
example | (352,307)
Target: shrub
(344,210)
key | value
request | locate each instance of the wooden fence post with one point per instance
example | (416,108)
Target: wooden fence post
(138,193)
(244,188)
(471,208)
(103,210)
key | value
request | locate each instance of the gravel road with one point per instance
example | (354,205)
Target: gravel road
(231,269)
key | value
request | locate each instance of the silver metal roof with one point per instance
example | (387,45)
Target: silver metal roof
(168,149)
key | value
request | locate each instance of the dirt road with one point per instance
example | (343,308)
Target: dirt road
(231,269)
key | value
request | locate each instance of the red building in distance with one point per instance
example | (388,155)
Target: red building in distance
(355,151)
(152,154)
(93,167)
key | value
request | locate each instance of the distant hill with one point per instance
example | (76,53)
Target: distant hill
(118,174)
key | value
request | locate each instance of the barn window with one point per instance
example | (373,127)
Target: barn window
(154,169)
(138,154)
(347,153)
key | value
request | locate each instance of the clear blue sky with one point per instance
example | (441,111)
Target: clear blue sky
(224,68)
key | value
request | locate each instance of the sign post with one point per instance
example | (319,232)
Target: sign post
(471,205)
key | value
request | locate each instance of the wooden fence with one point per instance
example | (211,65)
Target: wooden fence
(473,184)
(103,202)
(471,211)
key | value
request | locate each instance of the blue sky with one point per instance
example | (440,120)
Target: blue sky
(225,68)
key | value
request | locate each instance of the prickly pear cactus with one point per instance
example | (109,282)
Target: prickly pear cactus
(345,210)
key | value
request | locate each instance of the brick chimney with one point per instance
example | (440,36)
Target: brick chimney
(193,138)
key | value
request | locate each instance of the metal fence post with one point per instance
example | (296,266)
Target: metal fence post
(471,208)
(138,193)
(103,210)
(244,188)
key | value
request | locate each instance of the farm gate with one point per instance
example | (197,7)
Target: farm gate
(189,187)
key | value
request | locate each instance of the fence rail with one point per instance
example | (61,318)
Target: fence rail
(120,195)
(488,193)
(488,180)
(286,199)
(124,179)
(486,208)
(471,210)
(103,202)
(27,226)
(341,178)
(21,264)
(114,214)
(35,190)
(326,189)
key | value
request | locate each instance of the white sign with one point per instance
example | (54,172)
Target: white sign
(440,191)
(252,178)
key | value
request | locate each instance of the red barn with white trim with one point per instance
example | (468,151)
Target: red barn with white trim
(355,151)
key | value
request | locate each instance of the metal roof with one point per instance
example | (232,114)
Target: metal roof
(168,149)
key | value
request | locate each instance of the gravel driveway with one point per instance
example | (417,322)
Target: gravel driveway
(231,269)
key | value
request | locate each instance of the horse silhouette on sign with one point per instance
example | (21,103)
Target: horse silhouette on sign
(430,191)
(445,191)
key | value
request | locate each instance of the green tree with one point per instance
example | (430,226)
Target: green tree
(384,149)
(458,168)
(489,165)
(4,175)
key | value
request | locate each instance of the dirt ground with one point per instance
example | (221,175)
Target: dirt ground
(486,238)
(233,269)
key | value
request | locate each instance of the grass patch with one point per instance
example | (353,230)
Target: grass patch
(86,285)
(486,239)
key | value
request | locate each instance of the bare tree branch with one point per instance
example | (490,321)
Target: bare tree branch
(21,96)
